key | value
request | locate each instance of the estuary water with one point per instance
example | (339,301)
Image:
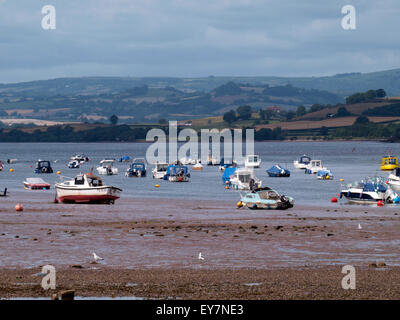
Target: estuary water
(347,160)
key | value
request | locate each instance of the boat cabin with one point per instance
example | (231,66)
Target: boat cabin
(87,179)
(161,167)
(305,159)
(389,163)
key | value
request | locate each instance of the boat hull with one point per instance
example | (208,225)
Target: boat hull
(87,195)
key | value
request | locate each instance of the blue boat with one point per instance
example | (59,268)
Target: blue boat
(278,171)
(125,159)
(177,173)
(226,176)
(136,169)
(228,163)
(43,167)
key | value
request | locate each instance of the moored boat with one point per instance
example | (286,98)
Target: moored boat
(1,166)
(74,164)
(198,166)
(266,198)
(43,166)
(278,171)
(314,166)
(389,163)
(36,184)
(136,169)
(244,179)
(107,167)
(302,162)
(177,173)
(394,179)
(325,174)
(160,170)
(80,158)
(369,190)
(252,161)
(86,188)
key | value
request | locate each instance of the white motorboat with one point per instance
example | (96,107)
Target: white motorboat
(80,158)
(369,190)
(394,179)
(314,166)
(160,170)
(86,188)
(252,161)
(187,161)
(107,167)
(302,163)
(244,179)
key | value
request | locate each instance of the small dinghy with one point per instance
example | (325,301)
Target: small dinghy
(36,184)
(11,161)
(198,166)
(278,171)
(266,198)
(1,166)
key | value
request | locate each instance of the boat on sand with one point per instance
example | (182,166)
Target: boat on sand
(86,188)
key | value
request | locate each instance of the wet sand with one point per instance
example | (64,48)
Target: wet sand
(154,244)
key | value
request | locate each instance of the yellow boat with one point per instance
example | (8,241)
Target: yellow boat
(389,163)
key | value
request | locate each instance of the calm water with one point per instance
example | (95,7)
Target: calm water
(347,160)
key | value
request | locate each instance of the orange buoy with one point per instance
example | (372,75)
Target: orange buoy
(19,207)
(380,203)
(239,204)
(334,199)
(226,187)
(157,185)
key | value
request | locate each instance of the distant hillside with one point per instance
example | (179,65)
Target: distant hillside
(342,84)
(146,103)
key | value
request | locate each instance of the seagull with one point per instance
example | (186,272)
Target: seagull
(359,227)
(200,256)
(96,257)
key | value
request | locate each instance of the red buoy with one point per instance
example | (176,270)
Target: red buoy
(334,199)
(380,203)
(19,207)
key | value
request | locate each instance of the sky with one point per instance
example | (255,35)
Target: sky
(196,38)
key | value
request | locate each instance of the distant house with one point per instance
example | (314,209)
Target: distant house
(276,109)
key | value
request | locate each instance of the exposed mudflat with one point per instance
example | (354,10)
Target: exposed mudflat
(156,242)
